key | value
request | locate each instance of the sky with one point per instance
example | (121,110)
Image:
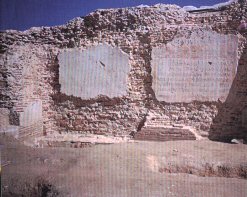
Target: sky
(24,14)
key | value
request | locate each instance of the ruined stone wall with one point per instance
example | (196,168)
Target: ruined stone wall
(155,71)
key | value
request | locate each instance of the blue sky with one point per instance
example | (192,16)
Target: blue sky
(23,14)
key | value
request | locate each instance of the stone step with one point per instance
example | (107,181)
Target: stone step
(164,134)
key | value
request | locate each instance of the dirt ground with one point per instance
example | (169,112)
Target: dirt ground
(137,169)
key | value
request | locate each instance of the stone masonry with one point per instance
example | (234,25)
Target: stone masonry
(157,72)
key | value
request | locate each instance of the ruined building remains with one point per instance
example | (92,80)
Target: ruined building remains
(157,72)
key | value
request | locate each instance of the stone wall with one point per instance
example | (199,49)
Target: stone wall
(123,72)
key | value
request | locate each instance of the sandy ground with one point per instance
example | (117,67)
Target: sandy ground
(139,169)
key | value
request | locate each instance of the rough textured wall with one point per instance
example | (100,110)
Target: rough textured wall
(244,118)
(33,69)
(228,121)
(24,84)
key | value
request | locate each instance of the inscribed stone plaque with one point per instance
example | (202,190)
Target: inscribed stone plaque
(98,70)
(201,67)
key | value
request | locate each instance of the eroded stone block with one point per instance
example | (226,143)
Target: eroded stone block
(4,117)
(201,67)
(98,70)
(31,114)
(164,133)
(5,126)
(244,118)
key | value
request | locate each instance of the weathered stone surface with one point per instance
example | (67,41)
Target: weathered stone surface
(31,114)
(4,117)
(26,88)
(98,70)
(5,126)
(30,121)
(31,69)
(244,118)
(200,67)
(164,134)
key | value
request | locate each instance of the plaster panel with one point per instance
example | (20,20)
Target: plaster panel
(201,67)
(98,70)
(31,114)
